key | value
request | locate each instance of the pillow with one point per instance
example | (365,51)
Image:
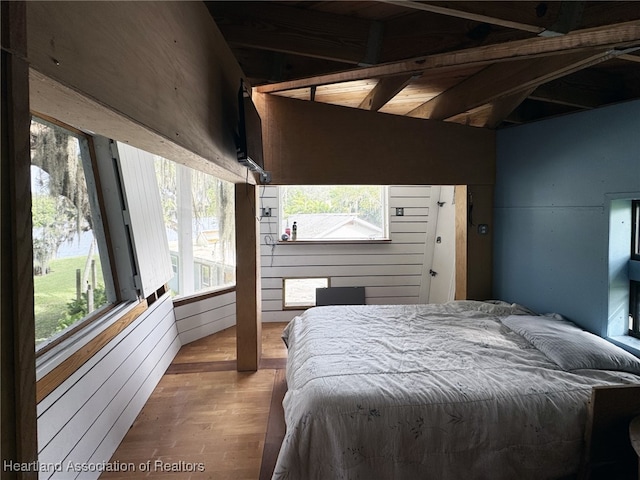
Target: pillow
(571,347)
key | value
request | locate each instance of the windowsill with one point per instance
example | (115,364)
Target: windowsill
(333,242)
(629,343)
(202,295)
(46,362)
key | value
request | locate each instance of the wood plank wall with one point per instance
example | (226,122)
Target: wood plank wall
(156,75)
(17,355)
(205,317)
(391,272)
(85,419)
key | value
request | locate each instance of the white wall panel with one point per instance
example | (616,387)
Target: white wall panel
(82,420)
(389,271)
(146,221)
(198,319)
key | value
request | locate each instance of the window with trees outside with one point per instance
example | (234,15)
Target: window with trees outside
(70,258)
(334,212)
(199,217)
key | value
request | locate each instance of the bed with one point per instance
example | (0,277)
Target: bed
(453,391)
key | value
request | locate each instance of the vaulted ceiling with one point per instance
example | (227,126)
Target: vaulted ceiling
(485,64)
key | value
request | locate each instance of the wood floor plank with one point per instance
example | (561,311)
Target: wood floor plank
(275,428)
(204,414)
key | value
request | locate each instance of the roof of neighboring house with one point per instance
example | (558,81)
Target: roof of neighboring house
(328,225)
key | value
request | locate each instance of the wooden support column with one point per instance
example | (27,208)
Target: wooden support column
(474,254)
(248,294)
(17,327)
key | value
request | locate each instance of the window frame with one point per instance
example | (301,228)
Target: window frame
(386,234)
(300,307)
(208,291)
(102,237)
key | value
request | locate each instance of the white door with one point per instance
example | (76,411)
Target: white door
(438,276)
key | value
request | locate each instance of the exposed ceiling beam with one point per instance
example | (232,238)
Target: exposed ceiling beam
(533,17)
(610,36)
(385,90)
(299,31)
(584,89)
(493,114)
(504,79)
(468,15)
(630,57)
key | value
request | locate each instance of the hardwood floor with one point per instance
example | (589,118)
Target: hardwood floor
(205,420)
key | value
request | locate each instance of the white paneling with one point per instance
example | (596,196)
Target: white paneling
(203,306)
(206,329)
(146,221)
(196,320)
(83,420)
(389,271)
(280,316)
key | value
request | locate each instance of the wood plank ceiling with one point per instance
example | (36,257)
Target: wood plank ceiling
(486,64)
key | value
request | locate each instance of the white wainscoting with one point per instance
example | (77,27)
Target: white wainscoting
(205,317)
(390,272)
(84,420)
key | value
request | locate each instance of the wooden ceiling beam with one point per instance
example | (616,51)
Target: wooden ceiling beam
(385,90)
(630,57)
(504,79)
(584,89)
(493,114)
(312,33)
(606,37)
(533,17)
(475,16)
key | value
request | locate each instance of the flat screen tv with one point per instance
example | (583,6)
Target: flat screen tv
(249,138)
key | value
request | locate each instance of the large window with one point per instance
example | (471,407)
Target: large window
(69,250)
(337,212)
(199,216)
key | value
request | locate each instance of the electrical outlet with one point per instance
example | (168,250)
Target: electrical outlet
(266,212)
(399,212)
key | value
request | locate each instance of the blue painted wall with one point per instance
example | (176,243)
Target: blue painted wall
(554,182)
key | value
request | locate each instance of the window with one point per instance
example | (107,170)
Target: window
(69,249)
(199,217)
(301,292)
(634,284)
(338,212)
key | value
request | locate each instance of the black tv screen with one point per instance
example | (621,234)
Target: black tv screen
(249,140)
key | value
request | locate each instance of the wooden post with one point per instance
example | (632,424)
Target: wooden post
(17,324)
(474,254)
(248,294)
(78,284)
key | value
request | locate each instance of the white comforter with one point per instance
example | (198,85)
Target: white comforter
(428,392)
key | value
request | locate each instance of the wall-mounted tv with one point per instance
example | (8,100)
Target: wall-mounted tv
(249,138)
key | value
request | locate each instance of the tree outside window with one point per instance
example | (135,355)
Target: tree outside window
(68,278)
(199,217)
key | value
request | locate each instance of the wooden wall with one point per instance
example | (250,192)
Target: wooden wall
(17,356)
(312,143)
(392,273)
(86,417)
(157,75)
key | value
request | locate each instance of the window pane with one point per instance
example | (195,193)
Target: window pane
(338,212)
(199,216)
(301,292)
(68,278)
